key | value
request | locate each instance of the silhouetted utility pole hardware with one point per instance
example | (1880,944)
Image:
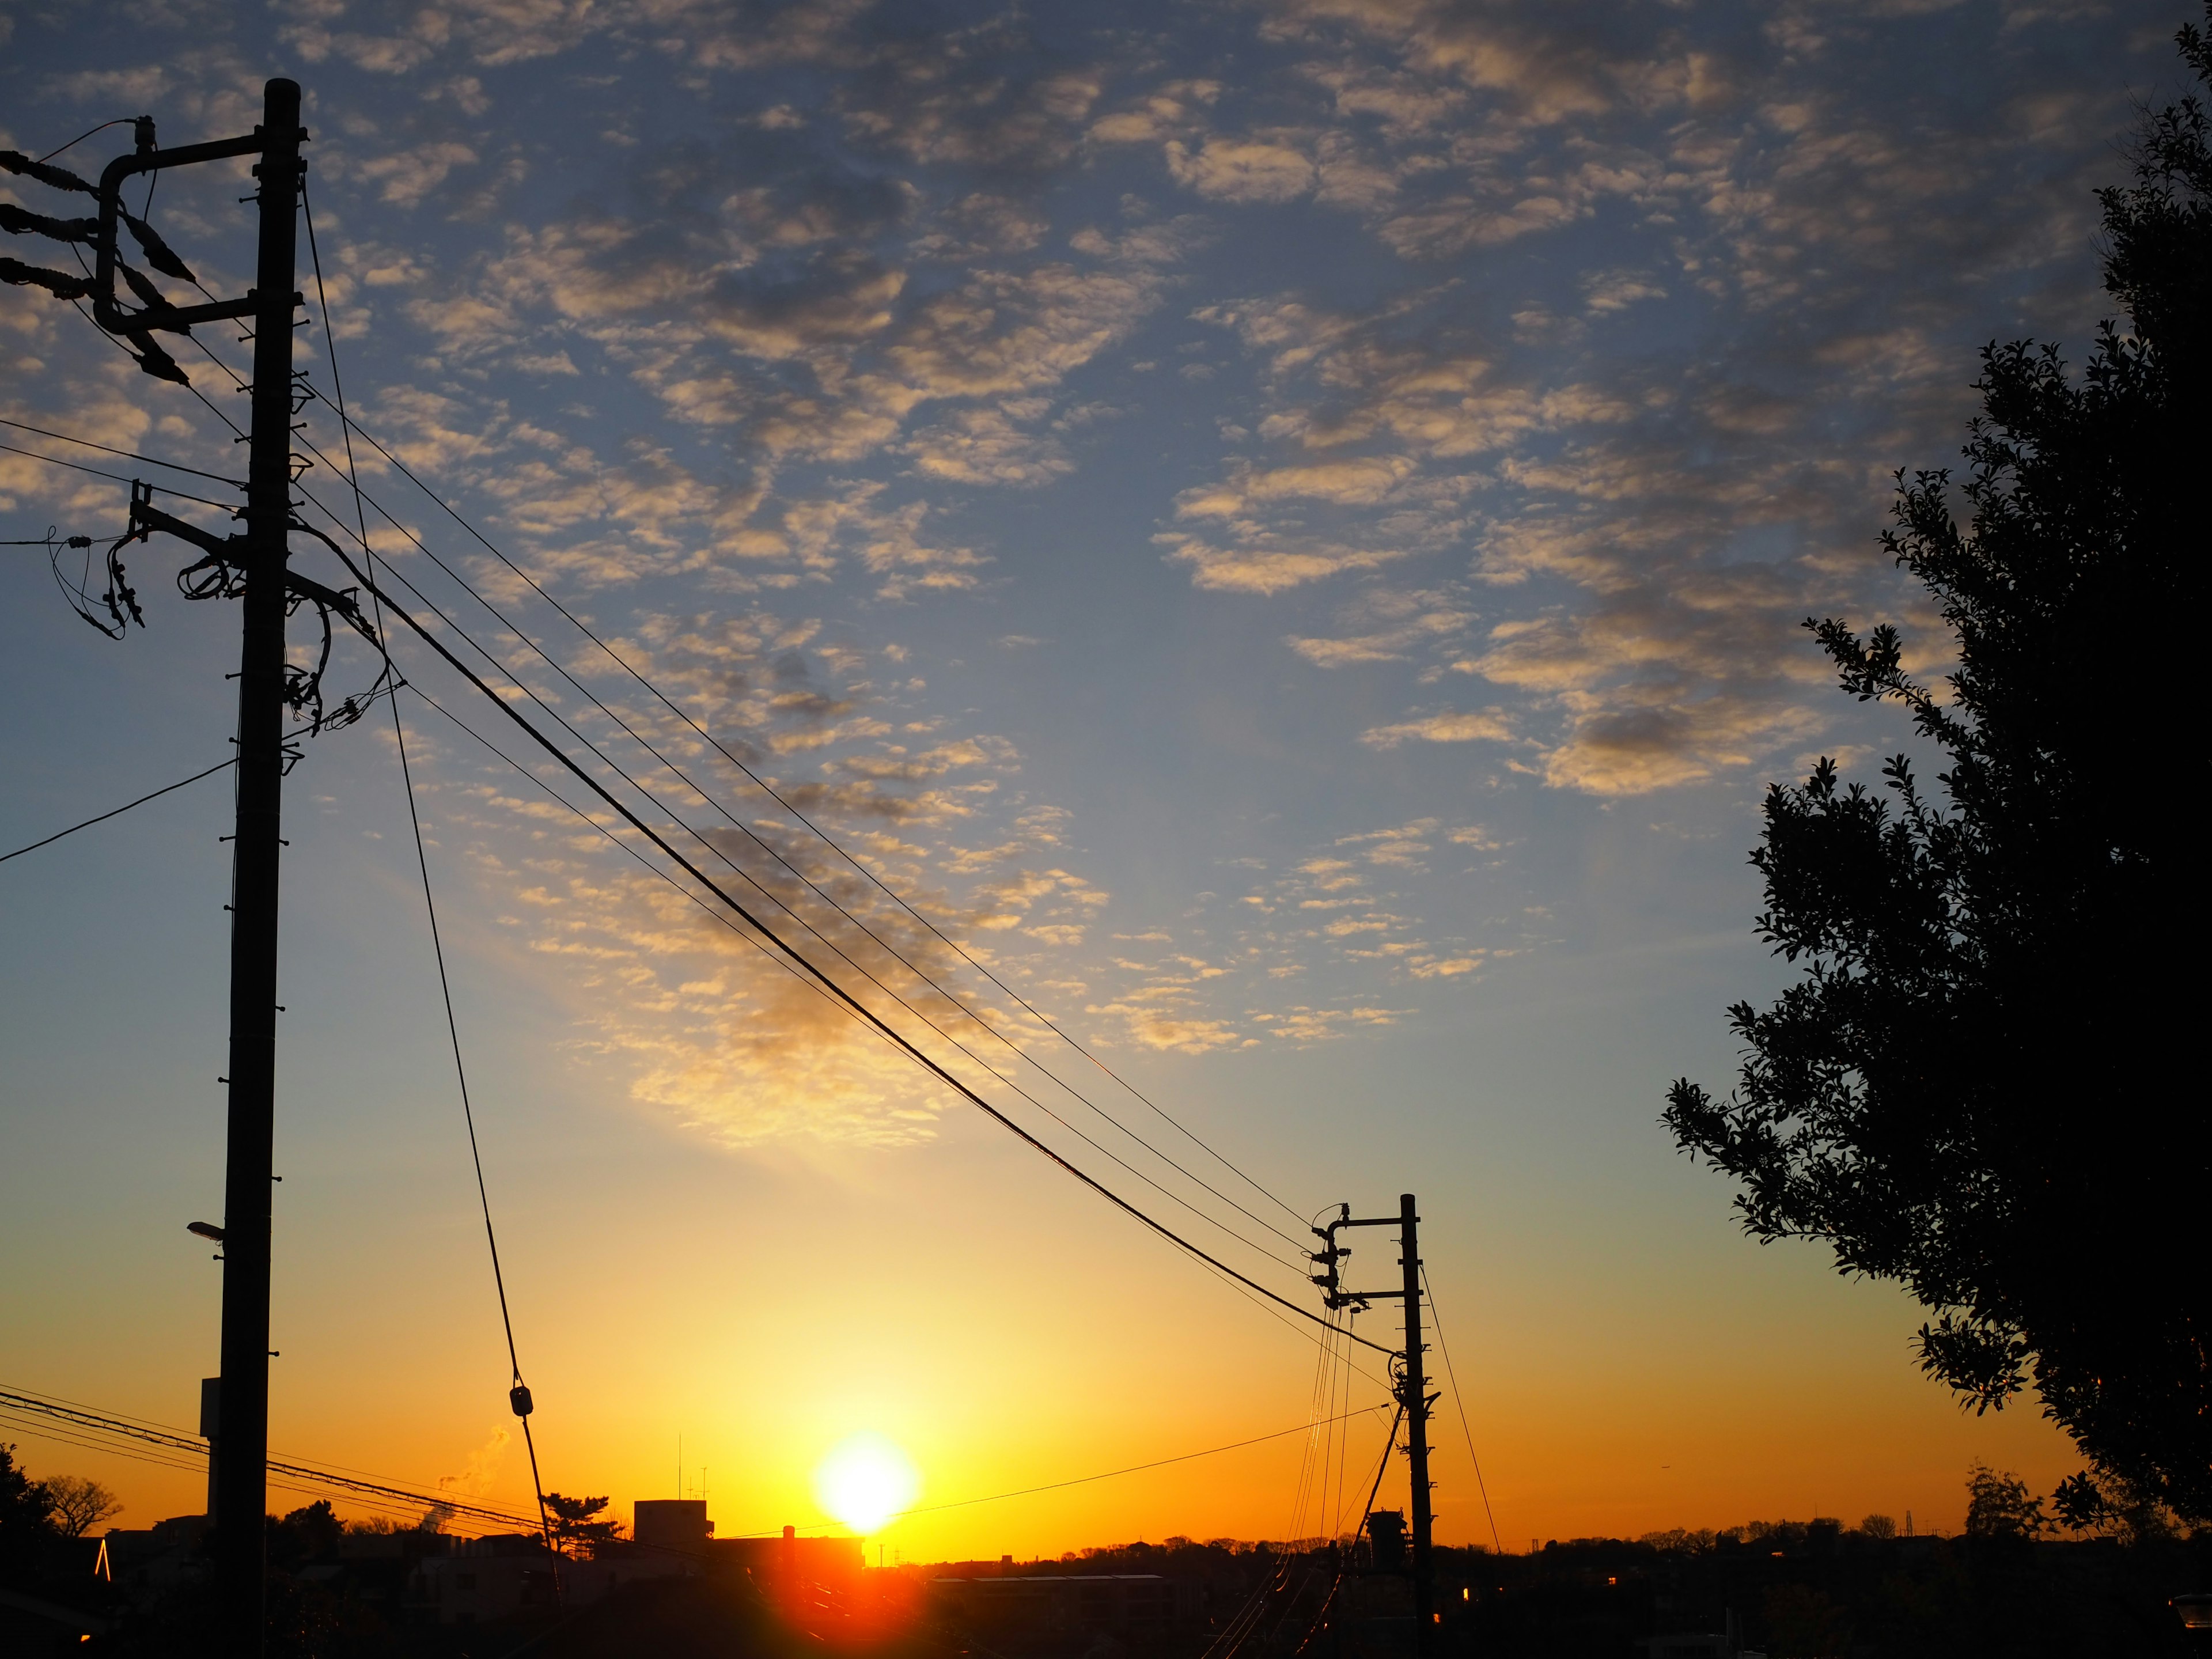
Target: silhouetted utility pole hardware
(1409,1377)
(252,566)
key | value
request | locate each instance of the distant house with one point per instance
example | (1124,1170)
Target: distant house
(472,1581)
(153,1558)
(476,1580)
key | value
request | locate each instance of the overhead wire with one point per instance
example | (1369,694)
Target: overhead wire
(835,905)
(351,426)
(562,758)
(94,1430)
(767,788)
(1228,1279)
(1459,1402)
(117,811)
(119,121)
(296,732)
(873,978)
(747,877)
(113,477)
(97,1430)
(519,1397)
(126,454)
(859,1009)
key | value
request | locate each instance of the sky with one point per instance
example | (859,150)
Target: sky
(1282,529)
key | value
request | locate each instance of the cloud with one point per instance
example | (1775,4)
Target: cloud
(405,176)
(1267,569)
(1241,170)
(1447,726)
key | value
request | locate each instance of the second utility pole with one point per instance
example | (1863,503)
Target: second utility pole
(241,1452)
(1416,1427)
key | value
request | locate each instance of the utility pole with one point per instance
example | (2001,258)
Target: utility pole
(1411,1382)
(1415,1393)
(241,1483)
(252,565)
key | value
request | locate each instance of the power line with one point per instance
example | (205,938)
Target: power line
(84,1421)
(116,811)
(128,455)
(802,921)
(1137,1469)
(858,1008)
(1227,1278)
(350,426)
(519,1396)
(795,812)
(113,477)
(938,1071)
(838,908)
(295,732)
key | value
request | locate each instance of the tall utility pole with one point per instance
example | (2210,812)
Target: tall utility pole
(1414,1394)
(243,1449)
(1412,1391)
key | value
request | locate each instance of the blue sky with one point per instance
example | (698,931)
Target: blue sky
(1284,527)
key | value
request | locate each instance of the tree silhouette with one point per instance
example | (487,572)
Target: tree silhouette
(1981,1087)
(26,1517)
(574,1528)
(1999,1505)
(79,1504)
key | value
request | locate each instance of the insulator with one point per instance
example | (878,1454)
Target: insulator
(64,285)
(518,1398)
(45,172)
(158,253)
(151,296)
(155,362)
(21,221)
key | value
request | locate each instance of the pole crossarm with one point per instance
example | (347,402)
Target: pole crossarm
(157,313)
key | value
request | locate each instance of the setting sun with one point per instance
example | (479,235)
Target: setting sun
(864,1480)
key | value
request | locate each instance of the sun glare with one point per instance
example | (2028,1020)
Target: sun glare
(864,1480)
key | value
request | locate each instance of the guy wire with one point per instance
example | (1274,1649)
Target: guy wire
(1459,1400)
(429,901)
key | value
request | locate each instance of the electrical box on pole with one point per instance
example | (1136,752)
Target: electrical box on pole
(1410,1384)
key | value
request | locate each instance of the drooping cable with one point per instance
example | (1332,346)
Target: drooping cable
(836,905)
(562,758)
(768,789)
(1459,1400)
(360,495)
(119,121)
(126,454)
(722,919)
(383,599)
(127,805)
(1345,1559)
(114,477)
(746,877)
(519,1395)
(116,811)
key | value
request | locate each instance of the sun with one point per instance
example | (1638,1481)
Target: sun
(864,1480)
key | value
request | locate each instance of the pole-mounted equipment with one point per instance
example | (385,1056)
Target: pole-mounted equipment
(1409,1380)
(250,565)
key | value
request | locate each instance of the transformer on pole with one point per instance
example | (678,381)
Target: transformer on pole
(1410,1384)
